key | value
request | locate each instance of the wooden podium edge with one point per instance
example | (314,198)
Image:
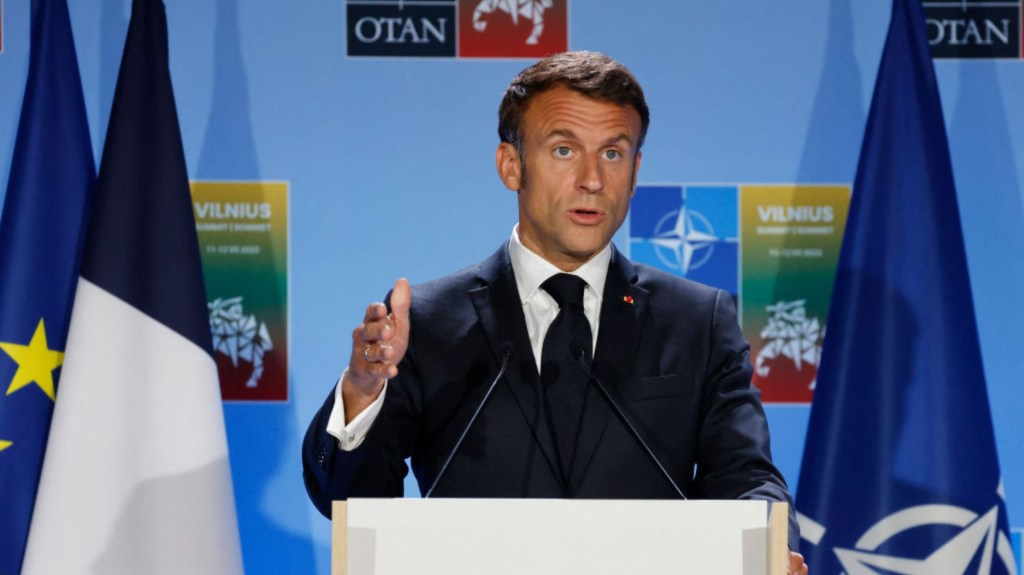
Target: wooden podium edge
(339,538)
(778,538)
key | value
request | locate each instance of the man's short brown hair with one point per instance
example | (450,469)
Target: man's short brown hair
(590,73)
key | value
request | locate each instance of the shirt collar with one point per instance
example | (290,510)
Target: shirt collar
(531,269)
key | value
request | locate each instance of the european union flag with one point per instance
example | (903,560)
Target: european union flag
(900,473)
(51,181)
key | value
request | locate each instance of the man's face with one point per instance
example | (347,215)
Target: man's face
(577,176)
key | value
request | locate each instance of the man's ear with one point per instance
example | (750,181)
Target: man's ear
(510,166)
(636,170)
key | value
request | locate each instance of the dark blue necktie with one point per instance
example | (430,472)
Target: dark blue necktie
(563,379)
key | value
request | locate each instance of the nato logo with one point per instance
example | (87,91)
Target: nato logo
(399,28)
(457,28)
(972,542)
(690,231)
(974,28)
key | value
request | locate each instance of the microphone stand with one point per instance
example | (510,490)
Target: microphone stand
(472,420)
(625,420)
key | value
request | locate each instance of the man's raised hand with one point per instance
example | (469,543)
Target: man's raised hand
(378,344)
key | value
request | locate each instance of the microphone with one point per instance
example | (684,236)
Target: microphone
(465,431)
(625,420)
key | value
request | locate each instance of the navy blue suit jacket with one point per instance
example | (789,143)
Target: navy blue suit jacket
(670,350)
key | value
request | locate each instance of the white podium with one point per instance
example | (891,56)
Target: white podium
(558,537)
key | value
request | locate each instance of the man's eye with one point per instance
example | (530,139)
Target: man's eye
(612,154)
(563,151)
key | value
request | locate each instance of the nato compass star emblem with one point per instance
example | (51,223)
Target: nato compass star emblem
(684,239)
(978,540)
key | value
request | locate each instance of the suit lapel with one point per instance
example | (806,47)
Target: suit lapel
(622,311)
(500,312)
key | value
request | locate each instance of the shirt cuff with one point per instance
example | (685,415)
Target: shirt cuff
(352,435)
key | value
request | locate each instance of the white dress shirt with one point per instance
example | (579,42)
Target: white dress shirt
(540,309)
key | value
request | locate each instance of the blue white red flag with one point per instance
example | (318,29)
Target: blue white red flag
(136,476)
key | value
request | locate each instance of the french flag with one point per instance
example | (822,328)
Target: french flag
(136,476)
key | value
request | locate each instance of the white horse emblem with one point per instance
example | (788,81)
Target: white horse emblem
(236,335)
(790,333)
(528,9)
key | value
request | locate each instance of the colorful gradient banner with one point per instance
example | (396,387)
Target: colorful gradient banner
(791,237)
(243,237)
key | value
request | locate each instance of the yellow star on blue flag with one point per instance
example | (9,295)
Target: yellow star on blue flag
(36,362)
(48,194)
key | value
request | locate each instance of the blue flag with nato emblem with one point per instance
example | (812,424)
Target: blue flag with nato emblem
(51,180)
(136,478)
(900,474)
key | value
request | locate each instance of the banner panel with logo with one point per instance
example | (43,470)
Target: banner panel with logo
(773,247)
(243,237)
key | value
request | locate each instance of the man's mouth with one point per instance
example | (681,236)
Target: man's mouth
(586,216)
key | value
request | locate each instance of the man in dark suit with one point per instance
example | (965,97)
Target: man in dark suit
(668,350)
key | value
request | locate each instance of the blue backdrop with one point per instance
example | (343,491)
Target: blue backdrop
(391,170)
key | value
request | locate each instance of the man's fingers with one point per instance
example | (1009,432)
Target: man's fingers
(378,369)
(375,311)
(796,564)
(376,353)
(378,330)
(378,325)
(379,343)
(401,295)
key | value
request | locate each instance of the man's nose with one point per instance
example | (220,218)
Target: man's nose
(591,175)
